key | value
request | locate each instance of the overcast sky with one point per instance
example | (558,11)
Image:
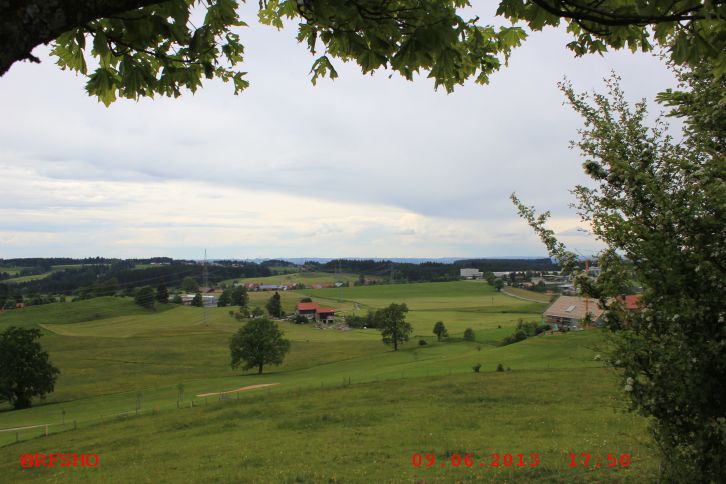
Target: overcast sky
(363,166)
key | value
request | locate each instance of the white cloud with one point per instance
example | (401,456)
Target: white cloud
(362,166)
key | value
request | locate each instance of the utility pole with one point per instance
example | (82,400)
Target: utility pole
(391,279)
(206,287)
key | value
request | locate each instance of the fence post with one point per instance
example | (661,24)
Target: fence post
(17,437)
(46,430)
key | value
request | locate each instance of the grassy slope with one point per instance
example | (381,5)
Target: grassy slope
(366,433)
(106,359)
(73,312)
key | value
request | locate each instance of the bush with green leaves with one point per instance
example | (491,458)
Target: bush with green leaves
(469,334)
(500,367)
(476,367)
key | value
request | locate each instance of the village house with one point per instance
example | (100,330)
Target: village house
(570,312)
(314,312)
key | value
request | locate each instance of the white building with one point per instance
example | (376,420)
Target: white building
(471,274)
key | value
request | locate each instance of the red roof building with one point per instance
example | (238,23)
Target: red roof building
(314,311)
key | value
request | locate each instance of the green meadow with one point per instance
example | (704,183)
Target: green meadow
(343,407)
(306,278)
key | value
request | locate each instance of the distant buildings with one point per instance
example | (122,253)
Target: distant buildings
(470,273)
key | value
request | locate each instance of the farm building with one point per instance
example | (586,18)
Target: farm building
(569,311)
(470,273)
(208,300)
(315,312)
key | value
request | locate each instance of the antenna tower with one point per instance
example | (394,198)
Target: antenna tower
(205,285)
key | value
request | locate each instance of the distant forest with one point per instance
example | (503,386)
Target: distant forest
(90,277)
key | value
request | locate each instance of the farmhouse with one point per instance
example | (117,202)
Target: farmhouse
(570,311)
(470,273)
(314,311)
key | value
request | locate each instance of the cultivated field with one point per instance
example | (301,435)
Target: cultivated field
(345,408)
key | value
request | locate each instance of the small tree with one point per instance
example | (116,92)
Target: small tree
(25,369)
(391,321)
(469,334)
(274,306)
(225,299)
(162,294)
(176,299)
(145,297)
(239,296)
(257,312)
(257,343)
(440,330)
(498,284)
(189,284)
(198,301)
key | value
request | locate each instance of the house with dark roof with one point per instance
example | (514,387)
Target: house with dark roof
(571,311)
(314,312)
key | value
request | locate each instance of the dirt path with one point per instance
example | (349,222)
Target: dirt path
(522,298)
(241,389)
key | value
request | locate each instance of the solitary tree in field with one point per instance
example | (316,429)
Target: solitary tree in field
(498,284)
(469,334)
(25,370)
(162,294)
(391,321)
(137,48)
(440,330)
(145,297)
(259,342)
(197,301)
(274,306)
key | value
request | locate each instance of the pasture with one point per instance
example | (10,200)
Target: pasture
(306,278)
(345,406)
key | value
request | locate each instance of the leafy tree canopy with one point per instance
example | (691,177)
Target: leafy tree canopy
(259,342)
(145,297)
(660,208)
(274,306)
(143,48)
(25,369)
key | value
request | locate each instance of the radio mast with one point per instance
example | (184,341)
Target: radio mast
(205,285)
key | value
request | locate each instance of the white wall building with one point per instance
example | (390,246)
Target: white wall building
(471,274)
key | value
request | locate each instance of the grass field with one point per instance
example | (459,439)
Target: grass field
(345,408)
(307,278)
